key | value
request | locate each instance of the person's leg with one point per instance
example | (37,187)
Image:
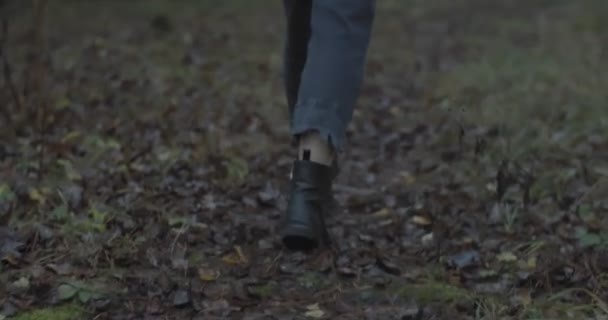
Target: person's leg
(333,73)
(328,87)
(297,13)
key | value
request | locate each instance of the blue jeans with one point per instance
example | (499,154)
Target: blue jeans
(325,53)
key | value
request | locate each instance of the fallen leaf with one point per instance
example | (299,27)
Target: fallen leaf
(207,274)
(506,257)
(314,311)
(464,259)
(487,273)
(366,238)
(388,266)
(268,195)
(22,283)
(63,269)
(382,212)
(346,271)
(427,238)
(407,178)
(421,220)
(37,195)
(181,298)
(11,246)
(237,257)
(587,239)
(70,172)
(524,297)
(179,263)
(6,194)
(491,287)
(19,286)
(84,296)
(66,291)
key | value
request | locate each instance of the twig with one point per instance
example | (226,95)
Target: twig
(364,192)
(7,71)
(128,162)
(598,301)
(178,232)
(39,89)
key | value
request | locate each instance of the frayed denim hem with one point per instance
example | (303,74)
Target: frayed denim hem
(323,117)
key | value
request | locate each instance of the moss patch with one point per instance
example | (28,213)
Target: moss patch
(64,312)
(264,291)
(429,292)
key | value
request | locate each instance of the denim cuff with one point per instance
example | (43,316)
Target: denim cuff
(322,116)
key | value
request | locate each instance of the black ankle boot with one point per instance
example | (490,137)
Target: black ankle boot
(310,199)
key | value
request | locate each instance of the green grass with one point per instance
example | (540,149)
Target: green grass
(553,83)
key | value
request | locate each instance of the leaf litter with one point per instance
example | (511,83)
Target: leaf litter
(158,187)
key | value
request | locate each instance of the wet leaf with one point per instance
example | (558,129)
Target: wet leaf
(388,266)
(60,213)
(179,263)
(427,238)
(347,272)
(506,257)
(464,259)
(19,286)
(84,296)
(268,195)
(384,212)
(421,220)
(38,195)
(70,172)
(313,311)
(237,257)
(10,249)
(181,298)
(207,274)
(290,268)
(495,287)
(407,178)
(6,194)
(587,239)
(531,263)
(66,291)
(487,273)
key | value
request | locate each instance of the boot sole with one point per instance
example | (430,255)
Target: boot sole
(299,237)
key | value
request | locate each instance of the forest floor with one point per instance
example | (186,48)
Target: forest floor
(143,166)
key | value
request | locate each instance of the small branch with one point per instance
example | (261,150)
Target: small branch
(38,63)
(7,71)
(128,162)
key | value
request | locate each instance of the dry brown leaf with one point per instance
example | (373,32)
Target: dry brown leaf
(506,257)
(207,274)
(407,178)
(382,212)
(237,257)
(421,220)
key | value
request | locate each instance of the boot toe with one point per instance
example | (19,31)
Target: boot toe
(299,243)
